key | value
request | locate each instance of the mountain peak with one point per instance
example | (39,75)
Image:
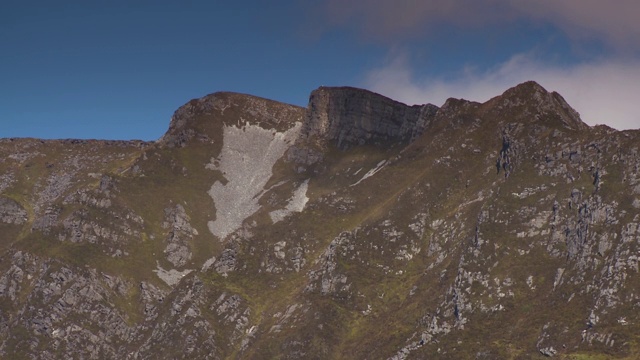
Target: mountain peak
(351,116)
(529,86)
(532,100)
(202,118)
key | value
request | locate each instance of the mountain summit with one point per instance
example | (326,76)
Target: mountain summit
(358,227)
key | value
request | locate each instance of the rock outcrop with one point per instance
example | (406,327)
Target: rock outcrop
(180,234)
(350,116)
(11,212)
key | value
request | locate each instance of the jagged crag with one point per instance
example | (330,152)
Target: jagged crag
(357,228)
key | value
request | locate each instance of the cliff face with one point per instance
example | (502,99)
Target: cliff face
(359,227)
(350,116)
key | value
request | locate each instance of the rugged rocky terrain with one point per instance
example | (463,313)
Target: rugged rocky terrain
(358,228)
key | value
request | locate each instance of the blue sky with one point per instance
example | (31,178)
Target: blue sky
(118,69)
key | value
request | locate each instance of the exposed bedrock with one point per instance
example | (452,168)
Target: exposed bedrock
(351,116)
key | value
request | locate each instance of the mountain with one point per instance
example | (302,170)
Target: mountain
(357,228)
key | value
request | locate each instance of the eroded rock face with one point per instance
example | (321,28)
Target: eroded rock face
(352,116)
(178,250)
(11,212)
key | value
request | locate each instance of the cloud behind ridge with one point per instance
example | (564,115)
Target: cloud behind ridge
(603,92)
(615,23)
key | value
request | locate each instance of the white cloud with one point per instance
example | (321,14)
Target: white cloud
(605,92)
(615,23)
(388,19)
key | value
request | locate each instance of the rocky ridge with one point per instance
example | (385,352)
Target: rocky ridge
(507,229)
(348,116)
